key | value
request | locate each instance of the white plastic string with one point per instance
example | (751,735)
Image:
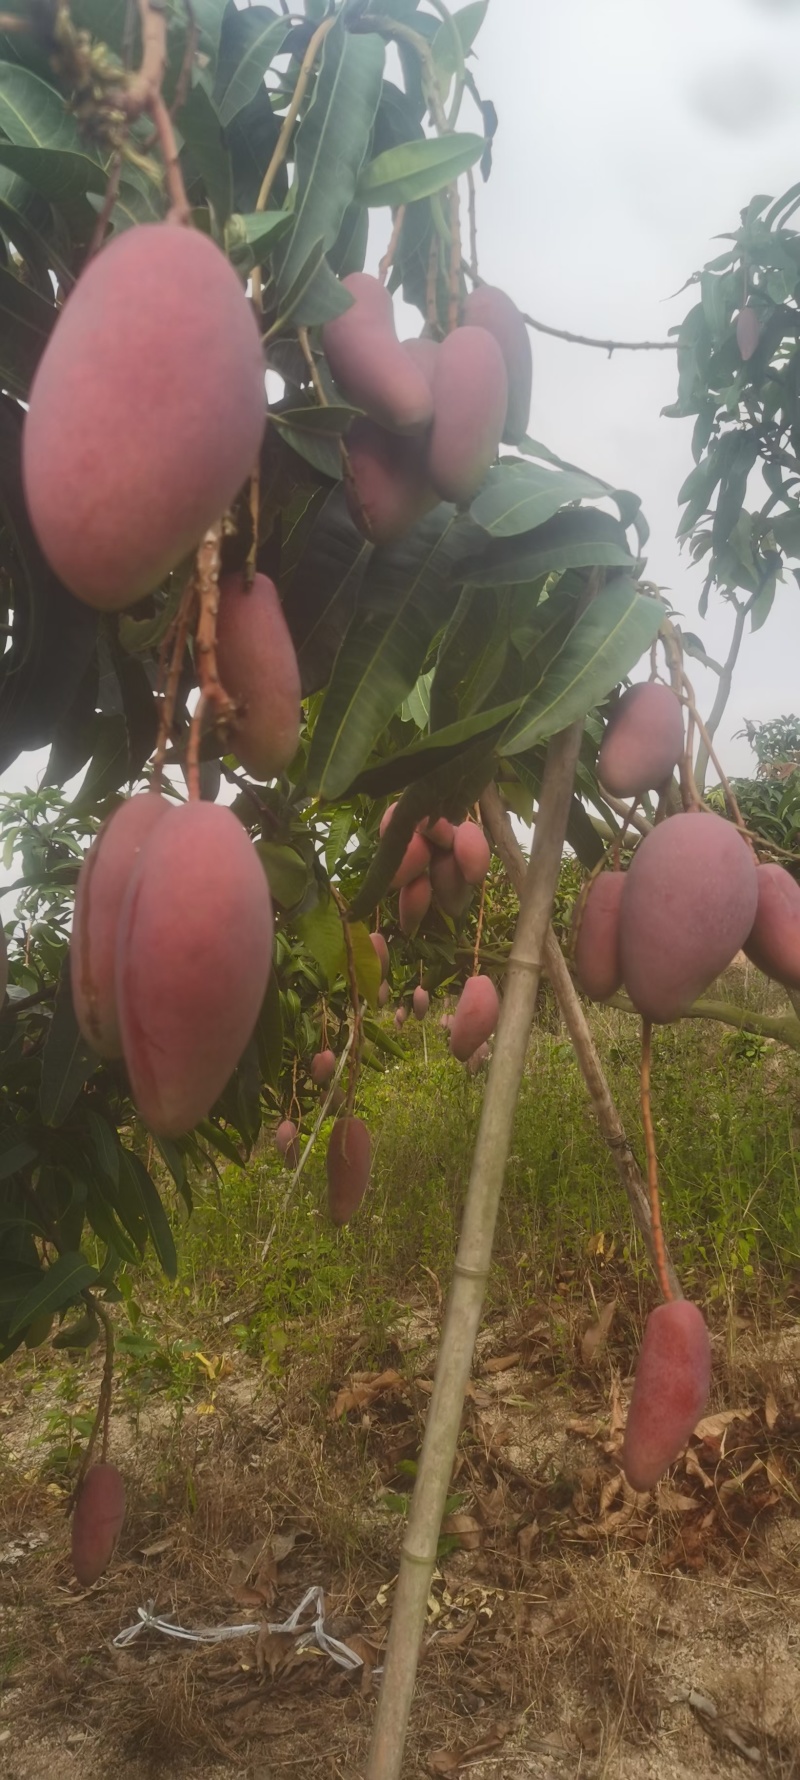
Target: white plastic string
(150,1621)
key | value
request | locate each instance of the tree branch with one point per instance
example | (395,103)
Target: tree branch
(609,346)
(721,697)
(784,1027)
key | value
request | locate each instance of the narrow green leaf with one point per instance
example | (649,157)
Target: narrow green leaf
(418,169)
(249,42)
(66,1061)
(331,143)
(15,1152)
(145,1196)
(582,538)
(269,1034)
(517,497)
(605,643)
(324,589)
(203,137)
(367,963)
(287,873)
(58,1285)
(109,766)
(249,240)
(321,933)
(26,322)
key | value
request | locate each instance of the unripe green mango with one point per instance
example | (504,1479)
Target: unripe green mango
(101,890)
(470,395)
(146,413)
(370,365)
(348,1162)
(97,1522)
(490,308)
(388,489)
(774,939)
(475,1017)
(643,741)
(670,1391)
(258,668)
(598,963)
(194,949)
(687,906)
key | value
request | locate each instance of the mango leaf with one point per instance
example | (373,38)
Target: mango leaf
(321,933)
(317,445)
(45,146)
(66,1061)
(249,42)
(105,1145)
(314,295)
(286,872)
(269,1034)
(407,595)
(144,1196)
(324,589)
(249,240)
(466,23)
(367,963)
(15,1152)
(58,1285)
(331,144)
(203,137)
(418,169)
(109,766)
(601,647)
(518,497)
(26,322)
(582,538)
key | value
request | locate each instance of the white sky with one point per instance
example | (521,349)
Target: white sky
(632,132)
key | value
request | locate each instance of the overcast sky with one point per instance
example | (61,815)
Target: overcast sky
(631,133)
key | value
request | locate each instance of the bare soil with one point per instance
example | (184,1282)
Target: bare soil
(574,1628)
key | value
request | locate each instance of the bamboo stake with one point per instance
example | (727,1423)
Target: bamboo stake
(473,1259)
(498,822)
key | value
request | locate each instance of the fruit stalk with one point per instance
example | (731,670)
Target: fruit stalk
(659,1253)
(103,1412)
(355,1000)
(212,692)
(498,823)
(143,93)
(472,1261)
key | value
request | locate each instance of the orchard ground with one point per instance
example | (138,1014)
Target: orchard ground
(269,1411)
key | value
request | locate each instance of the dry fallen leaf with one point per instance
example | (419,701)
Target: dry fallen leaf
(361,1392)
(464,1528)
(712,1427)
(453,1761)
(770,1410)
(594,1338)
(501,1363)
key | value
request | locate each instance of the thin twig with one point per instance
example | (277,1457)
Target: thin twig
(319,1121)
(609,346)
(103,1412)
(313,369)
(179,635)
(454,295)
(388,259)
(109,201)
(652,1164)
(473,227)
(479,931)
(282,145)
(355,999)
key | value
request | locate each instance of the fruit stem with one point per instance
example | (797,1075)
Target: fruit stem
(282,145)
(727,790)
(179,634)
(659,1251)
(479,931)
(103,1412)
(143,93)
(388,259)
(355,1000)
(473,227)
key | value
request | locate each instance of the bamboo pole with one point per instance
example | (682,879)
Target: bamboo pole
(498,822)
(471,1269)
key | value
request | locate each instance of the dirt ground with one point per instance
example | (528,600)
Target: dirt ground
(574,1628)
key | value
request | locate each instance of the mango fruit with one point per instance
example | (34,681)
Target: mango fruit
(258,668)
(773,942)
(97,1522)
(348,1162)
(323,1066)
(102,885)
(383,994)
(470,397)
(413,905)
(450,888)
(643,741)
(381,951)
(490,308)
(670,1391)
(478,1058)
(439,833)
(475,1017)
(400,1018)
(748,331)
(369,364)
(420,1002)
(471,852)
(687,906)
(194,949)
(598,962)
(388,489)
(287,1142)
(146,413)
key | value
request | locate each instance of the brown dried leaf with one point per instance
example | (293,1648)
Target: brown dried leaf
(712,1427)
(457,1640)
(771,1410)
(671,1501)
(526,1539)
(465,1529)
(594,1338)
(274,1651)
(452,1761)
(362,1391)
(501,1363)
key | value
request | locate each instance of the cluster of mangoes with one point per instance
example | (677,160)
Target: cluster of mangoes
(434,412)
(694,894)
(442,863)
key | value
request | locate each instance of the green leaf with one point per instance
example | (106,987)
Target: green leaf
(418,169)
(145,1197)
(62,1282)
(406,596)
(331,144)
(324,589)
(15,1152)
(367,963)
(249,240)
(517,497)
(66,1061)
(316,444)
(26,322)
(466,23)
(109,766)
(45,145)
(219,1140)
(605,643)
(249,42)
(321,933)
(314,295)
(268,1034)
(203,137)
(583,538)
(105,1144)
(286,872)
(786,532)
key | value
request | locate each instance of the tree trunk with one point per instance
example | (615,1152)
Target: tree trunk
(473,1259)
